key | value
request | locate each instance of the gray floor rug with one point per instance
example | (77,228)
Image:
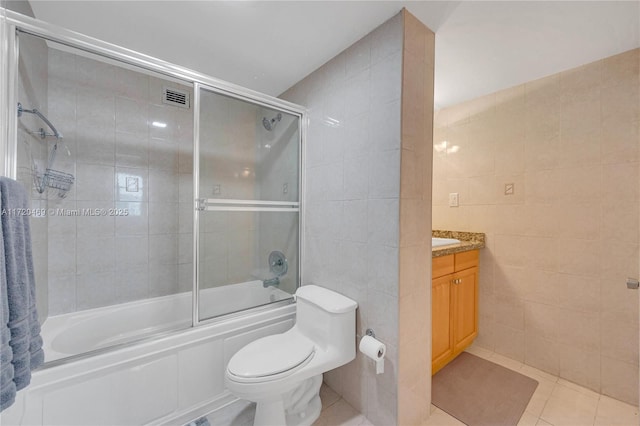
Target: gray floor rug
(481,393)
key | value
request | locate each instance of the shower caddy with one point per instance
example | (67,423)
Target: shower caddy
(56,180)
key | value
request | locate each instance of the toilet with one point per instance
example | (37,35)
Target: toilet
(282,373)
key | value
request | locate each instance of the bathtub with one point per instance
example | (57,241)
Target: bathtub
(86,331)
(168,379)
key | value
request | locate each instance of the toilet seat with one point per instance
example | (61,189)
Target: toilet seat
(271,358)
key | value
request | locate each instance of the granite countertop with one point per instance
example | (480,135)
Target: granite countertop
(468,241)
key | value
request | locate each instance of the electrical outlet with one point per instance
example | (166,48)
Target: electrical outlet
(285,188)
(453,199)
(133,184)
(509,189)
(216,190)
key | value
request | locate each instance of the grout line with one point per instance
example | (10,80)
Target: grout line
(332,404)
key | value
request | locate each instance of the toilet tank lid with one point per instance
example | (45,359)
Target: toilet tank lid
(326,299)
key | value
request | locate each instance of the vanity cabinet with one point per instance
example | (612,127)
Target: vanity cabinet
(454,305)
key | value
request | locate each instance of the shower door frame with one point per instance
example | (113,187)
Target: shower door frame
(12,23)
(8,90)
(200,203)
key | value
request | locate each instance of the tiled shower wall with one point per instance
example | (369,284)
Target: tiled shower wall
(240,159)
(120,160)
(353,200)
(277,165)
(32,93)
(227,158)
(561,245)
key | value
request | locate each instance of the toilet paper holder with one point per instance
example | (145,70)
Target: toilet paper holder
(373,349)
(370,332)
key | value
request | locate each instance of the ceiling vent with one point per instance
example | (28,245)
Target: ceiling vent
(175,97)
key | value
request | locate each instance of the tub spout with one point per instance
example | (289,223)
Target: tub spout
(271,282)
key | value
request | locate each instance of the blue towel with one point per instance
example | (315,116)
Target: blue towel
(20,340)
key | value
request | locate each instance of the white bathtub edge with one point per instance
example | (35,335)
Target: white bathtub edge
(82,368)
(171,381)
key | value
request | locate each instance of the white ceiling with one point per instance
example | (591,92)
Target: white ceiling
(481,47)
(487,46)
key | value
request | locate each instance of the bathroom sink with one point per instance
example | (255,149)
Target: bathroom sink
(438,242)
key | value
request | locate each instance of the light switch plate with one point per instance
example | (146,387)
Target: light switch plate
(453,199)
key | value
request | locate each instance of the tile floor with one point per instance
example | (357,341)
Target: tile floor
(335,411)
(556,402)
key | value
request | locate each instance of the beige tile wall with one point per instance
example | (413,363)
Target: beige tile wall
(368,197)
(552,278)
(414,302)
(352,201)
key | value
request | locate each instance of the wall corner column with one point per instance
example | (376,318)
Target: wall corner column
(414,292)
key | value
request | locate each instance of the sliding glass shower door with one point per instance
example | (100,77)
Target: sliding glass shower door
(149,181)
(247,204)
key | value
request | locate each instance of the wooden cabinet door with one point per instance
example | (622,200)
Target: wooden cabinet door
(441,339)
(464,294)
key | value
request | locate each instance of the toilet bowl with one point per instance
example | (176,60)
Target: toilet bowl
(282,373)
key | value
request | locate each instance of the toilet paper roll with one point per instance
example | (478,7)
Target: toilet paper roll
(374,349)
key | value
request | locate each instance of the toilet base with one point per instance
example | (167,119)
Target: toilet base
(271,413)
(300,406)
(311,414)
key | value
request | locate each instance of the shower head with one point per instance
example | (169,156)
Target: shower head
(271,124)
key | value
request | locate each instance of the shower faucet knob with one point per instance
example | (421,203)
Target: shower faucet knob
(278,263)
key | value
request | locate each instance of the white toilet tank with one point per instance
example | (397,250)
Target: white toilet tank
(328,318)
